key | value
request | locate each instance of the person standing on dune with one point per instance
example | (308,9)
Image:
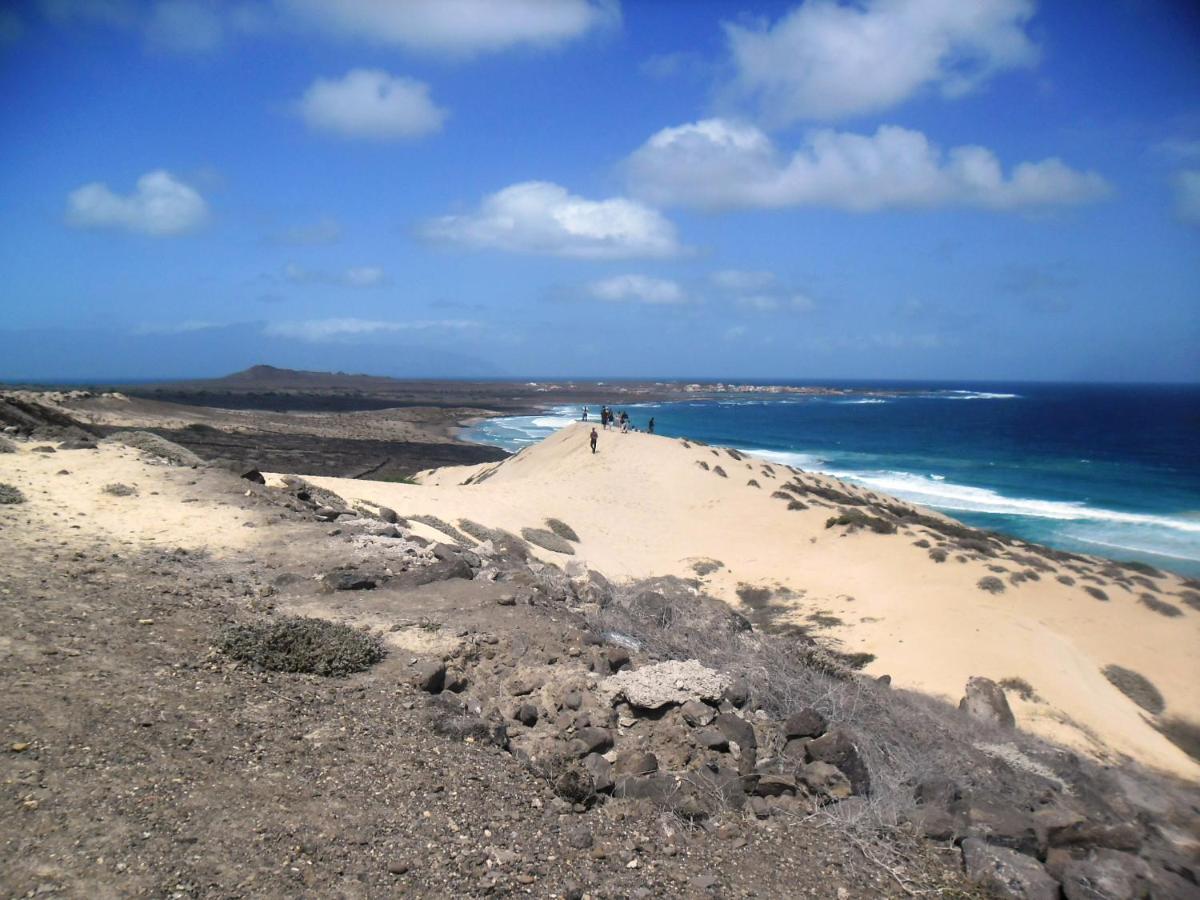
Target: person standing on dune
(584,414)
(595,437)
(650,427)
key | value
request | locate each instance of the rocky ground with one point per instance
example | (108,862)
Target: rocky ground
(531,729)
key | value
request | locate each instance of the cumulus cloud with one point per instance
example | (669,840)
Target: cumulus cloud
(1187,195)
(638,289)
(722,164)
(356,276)
(826,60)
(759,291)
(160,205)
(544,218)
(318,330)
(458,27)
(370,103)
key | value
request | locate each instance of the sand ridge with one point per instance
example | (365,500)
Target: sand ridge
(645,505)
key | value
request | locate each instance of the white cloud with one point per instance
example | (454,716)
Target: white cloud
(776,302)
(541,217)
(1187,195)
(317,330)
(638,289)
(721,164)
(356,276)
(160,205)
(740,280)
(826,60)
(370,103)
(458,27)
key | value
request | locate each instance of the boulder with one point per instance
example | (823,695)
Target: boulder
(697,714)
(388,515)
(1000,824)
(826,782)
(344,580)
(808,723)
(601,771)
(665,684)
(839,749)
(658,788)
(1007,873)
(738,731)
(633,762)
(442,570)
(711,739)
(737,692)
(775,785)
(526,714)
(592,740)
(1107,875)
(985,702)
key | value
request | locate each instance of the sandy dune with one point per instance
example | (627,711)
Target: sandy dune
(645,506)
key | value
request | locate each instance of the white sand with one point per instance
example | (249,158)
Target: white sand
(643,506)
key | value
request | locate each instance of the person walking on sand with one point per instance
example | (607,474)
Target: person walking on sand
(584,419)
(650,427)
(595,437)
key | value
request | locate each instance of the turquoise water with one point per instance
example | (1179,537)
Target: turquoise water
(1108,470)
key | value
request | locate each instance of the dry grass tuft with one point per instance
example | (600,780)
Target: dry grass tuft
(301,645)
(1136,687)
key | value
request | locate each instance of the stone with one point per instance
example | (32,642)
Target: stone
(343,580)
(526,714)
(775,785)
(839,749)
(665,684)
(573,700)
(807,723)
(658,787)
(508,598)
(575,784)
(388,515)
(580,838)
(827,782)
(1124,836)
(737,692)
(711,739)
(697,714)
(445,553)
(1000,824)
(1106,875)
(618,658)
(429,675)
(985,702)
(601,771)
(633,762)
(593,740)
(442,570)
(397,868)
(1007,873)
(760,807)
(253,474)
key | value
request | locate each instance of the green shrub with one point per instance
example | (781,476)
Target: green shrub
(303,645)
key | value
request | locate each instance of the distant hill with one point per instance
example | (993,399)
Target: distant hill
(273,378)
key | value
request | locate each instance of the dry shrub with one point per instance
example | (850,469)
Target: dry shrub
(1162,607)
(796,505)
(1190,598)
(548,540)
(444,527)
(303,645)
(1183,734)
(481,533)
(753,483)
(702,464)
(10,494)
(938,555)
(1096,592)
(1136,687)
(562,529)
(718,470)
(854,519)
(119,490)
(1066,579)
(1021,688)
(991,584)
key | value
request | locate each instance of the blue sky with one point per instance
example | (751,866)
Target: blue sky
(1000,189)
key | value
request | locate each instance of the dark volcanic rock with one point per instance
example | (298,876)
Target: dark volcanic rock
(632,762)
(808,723)
(839,749)
(1006,872)
(348,581)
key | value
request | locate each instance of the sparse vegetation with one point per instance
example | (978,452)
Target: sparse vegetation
(922,543)
(10,494)
(301,645)
(1136,687)
(1183,734)
(991,584)
(1066,579)
(702,464)
(1162,607)
(562,529)
(938,555)
(481,533)
(444,527)
(1190,598)
(548,540)
(1141,568)
(753,483)
(1021,688)
(796,504)
(151,443)
(119,490)
(854,519)
(1096,592)
(718,470)
(394,479)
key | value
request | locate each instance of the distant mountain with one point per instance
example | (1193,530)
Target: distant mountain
(273,378)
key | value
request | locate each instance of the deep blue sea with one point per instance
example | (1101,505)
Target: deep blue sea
(1108,470)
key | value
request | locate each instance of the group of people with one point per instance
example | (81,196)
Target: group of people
(609,419)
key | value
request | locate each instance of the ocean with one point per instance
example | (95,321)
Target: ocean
(1111,470)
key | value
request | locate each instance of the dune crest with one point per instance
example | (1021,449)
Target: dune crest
(756,534)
